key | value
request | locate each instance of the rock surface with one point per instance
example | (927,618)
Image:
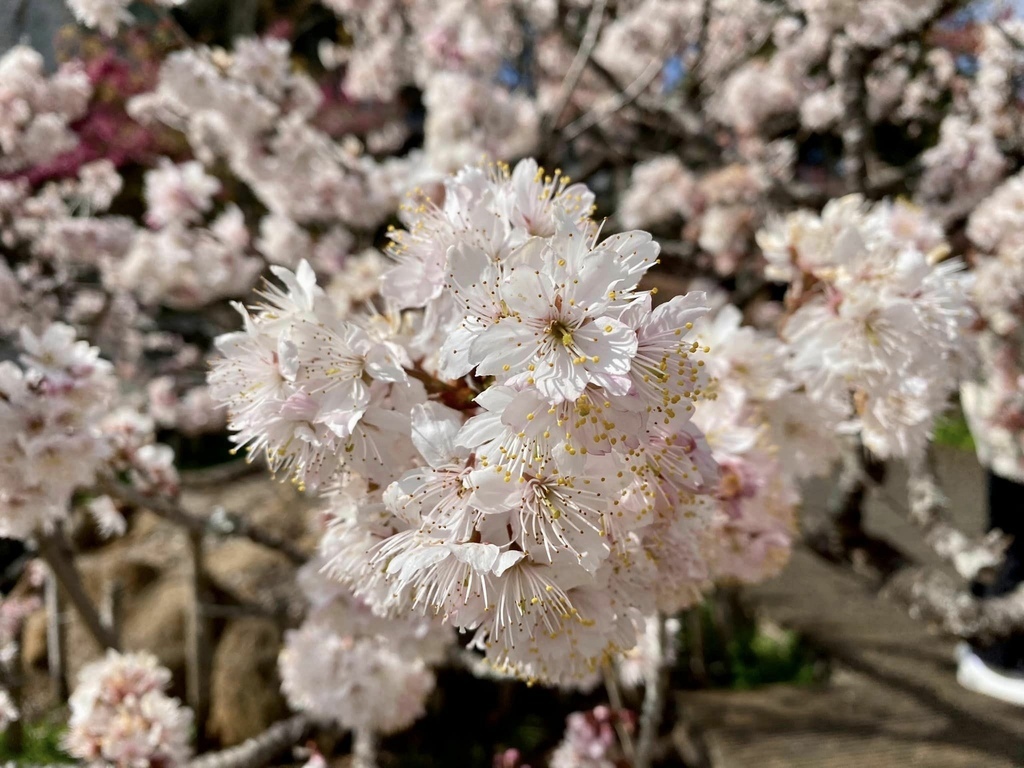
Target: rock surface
(245,697)
(149,570)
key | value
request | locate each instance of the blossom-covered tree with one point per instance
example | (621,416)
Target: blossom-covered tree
(553,306)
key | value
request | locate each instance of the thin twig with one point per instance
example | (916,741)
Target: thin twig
(56,647)
(693,82)
(364,748)
(655,693)
(198,651)
(222,473)
(609,107)
(54,550)
(577,67)
(222,524)
(110,607)
(611,687)
(695,646)
(1013,41)
(259,750)
(856,129)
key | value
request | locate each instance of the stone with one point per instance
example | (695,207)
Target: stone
(245,696)
(156,620)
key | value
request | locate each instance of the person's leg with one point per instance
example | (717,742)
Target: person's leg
(1006,512)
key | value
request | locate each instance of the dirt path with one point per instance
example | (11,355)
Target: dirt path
(893,699)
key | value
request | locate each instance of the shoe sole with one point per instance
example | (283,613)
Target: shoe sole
(975,675)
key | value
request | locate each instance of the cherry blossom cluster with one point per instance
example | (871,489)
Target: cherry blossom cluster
(804,79)
(591,740)
(193,413)
(455,52)
(60,429)
(772,80)
(513,438)
(394,44)
(55,234)
(121,715)
(521,455)
(51,441)
(637,666)
(177,261)
(720,209)
(107,15)
(252,109)
(36,110)
(877,329)
(994,398)
(766,435)
(997,229)
(348,666)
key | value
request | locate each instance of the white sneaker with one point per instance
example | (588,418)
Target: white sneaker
(975,675)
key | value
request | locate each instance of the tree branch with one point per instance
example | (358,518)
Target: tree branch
(693,82)
(842,523)
(222,473)
(855,128)
(364,748)
(576,68)
(222,524)
(655,693)
(610,106)
(972,558)
(937,597)
(54,550)
(198,653)
(259,750)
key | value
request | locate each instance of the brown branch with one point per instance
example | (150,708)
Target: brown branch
(838,535)
(54,550)
(221,524)
(667,118)
(843,514)
(855,127)
(221,473)
(259,750)
(198,640)
(693,81)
